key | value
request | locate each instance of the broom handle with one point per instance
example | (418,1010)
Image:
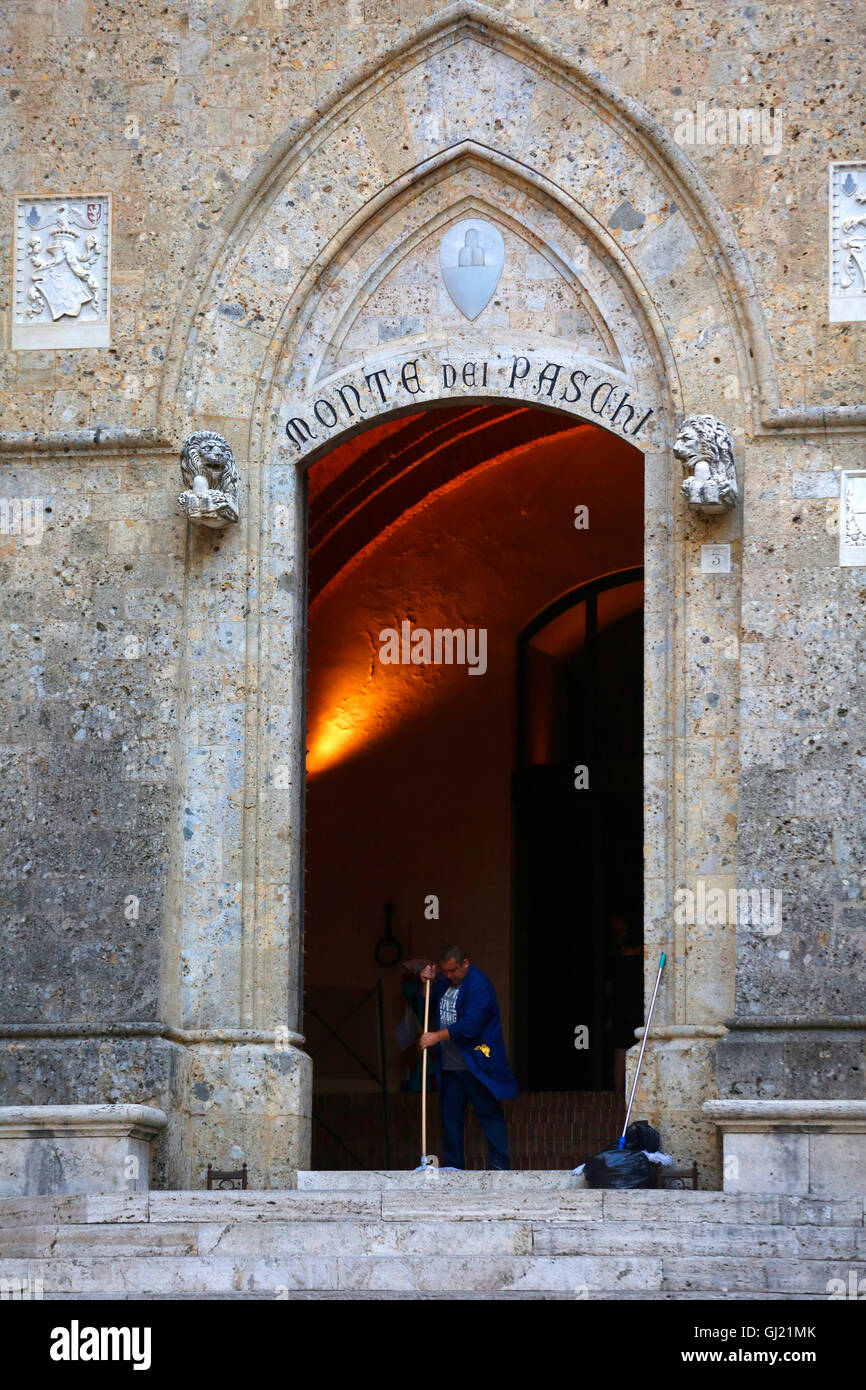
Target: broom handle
(424,1072)
(646,1030)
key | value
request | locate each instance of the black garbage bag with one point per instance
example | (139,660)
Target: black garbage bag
(626,1167)
(641,1135)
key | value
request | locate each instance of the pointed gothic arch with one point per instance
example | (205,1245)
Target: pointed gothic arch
(306,151)
(281,306)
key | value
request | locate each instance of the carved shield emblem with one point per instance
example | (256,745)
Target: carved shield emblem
(853,537)
(471,256)
(94,212)
(63,290)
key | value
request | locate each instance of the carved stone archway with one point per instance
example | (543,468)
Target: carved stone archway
(627,301)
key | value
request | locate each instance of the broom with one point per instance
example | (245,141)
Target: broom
(428,1161)
(606,1172)
(646,1032)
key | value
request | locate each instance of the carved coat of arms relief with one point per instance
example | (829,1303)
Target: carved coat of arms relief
(471,258)
(847,242)
(61,273)
(852,518)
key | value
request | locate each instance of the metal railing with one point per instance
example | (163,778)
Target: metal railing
(380,1078)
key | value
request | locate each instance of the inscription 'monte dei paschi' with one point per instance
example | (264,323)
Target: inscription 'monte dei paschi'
(395,385)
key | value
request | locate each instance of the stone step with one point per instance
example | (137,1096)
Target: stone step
(434,1236)
(434,1295)
(644,1204)
(579,1276)
(270,1238)
(296,1208)
(509,1235)
(454,1196)
(377,1180)
(737,1207)
(189,1206)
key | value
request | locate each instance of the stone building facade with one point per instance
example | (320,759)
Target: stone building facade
(239,206)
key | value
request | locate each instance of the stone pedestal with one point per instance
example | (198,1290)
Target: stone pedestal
(230,1095)
(76,1148)
(814,1148)
(791,1107)
(778,1057)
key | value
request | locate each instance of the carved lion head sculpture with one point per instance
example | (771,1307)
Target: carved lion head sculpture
(705,447)
(209,455)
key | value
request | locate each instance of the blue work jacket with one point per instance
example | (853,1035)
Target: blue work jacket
(478,1031)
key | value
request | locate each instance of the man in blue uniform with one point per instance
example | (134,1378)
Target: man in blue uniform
(469,1055)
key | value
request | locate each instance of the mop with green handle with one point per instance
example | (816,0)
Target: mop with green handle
(621,1141)
(428,1161)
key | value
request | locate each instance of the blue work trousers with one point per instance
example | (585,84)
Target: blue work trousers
(457,1088)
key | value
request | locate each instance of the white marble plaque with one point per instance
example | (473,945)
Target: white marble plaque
(471,257)
(852,519)
(62,273)
(716,559)
(848,242)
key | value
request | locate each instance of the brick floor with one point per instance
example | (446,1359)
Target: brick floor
(547,1130)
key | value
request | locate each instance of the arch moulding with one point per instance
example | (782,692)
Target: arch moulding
(317,308)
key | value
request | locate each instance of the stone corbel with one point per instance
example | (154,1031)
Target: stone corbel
(706,449)
(208,469)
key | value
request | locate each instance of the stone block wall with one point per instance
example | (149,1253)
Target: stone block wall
(171,108)
(170,105)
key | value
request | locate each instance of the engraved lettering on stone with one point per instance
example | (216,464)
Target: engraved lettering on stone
(705,447)
(716,559)
(527,377)
(471,257)
(208,468)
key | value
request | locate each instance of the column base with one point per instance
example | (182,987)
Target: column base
(768,1057)
(677,1076)
(242,1102)
(229,1095)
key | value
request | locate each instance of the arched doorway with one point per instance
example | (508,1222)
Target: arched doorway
(465,518)
(323,282)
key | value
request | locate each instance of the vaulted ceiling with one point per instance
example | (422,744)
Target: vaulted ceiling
(365,485)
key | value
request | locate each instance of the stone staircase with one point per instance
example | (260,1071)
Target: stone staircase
(347,1235)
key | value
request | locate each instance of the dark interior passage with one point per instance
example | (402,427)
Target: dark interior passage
(578,827)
